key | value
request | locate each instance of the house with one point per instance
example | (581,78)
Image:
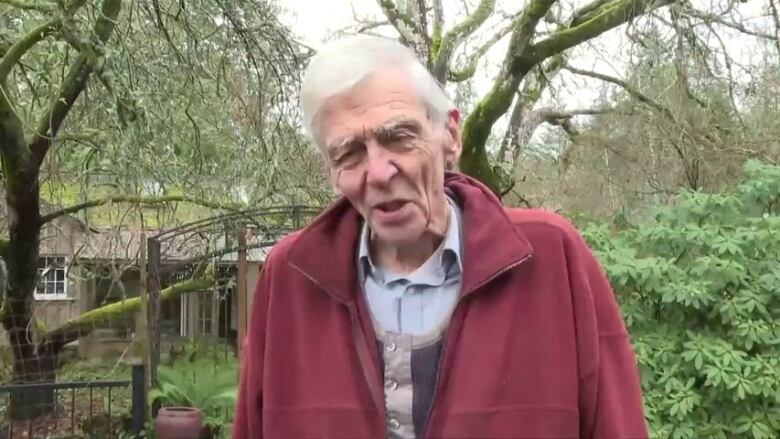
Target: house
(86,264)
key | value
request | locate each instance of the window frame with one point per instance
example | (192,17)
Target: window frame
(41,281)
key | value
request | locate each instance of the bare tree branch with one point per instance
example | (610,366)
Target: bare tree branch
(553,115)
(73,85)
(729,69)
(776,19)
(135,200)
(452,39)
(519,120)
(468,71)
(18,49)
(712,18)
(636,94)
(371,25)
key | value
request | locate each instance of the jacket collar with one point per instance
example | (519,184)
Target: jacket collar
(326,251)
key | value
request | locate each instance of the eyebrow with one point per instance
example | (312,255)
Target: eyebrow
(337,147)
(384,132)
(394,126)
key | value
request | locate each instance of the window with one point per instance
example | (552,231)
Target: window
(52,278)
(205,314)
(152,188)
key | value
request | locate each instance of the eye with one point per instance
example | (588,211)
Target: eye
(349,158)
(399,139)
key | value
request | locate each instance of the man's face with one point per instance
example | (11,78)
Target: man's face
(388,158)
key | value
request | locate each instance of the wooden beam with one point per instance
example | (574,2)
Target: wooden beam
(241,292)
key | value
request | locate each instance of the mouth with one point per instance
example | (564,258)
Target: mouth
(390,206)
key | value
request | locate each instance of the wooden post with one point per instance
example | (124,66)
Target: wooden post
(139,402)
(241,291)
(153,306)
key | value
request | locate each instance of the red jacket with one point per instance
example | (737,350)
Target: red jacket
(536,346)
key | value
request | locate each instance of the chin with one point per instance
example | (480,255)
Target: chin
(399,236)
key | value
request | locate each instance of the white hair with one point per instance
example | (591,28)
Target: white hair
(343,63)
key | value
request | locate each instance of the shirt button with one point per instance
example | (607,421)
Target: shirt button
(393,424)
(391,384)
(391,347)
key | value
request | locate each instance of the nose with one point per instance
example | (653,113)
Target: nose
(380,169)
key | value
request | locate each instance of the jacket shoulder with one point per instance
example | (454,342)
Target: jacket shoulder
(532,222)
(280,251)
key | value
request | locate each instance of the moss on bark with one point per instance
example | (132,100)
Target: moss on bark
(84,323)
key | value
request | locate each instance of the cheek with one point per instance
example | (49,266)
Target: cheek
(349,184)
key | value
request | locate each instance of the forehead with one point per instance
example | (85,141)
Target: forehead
(381,97)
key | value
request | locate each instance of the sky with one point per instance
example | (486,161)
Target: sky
(314,21)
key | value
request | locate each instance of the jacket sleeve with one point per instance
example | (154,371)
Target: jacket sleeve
(248,421)
(610,392)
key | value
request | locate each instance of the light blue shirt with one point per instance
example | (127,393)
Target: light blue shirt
(421,301)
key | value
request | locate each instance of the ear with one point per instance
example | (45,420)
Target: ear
(453,144)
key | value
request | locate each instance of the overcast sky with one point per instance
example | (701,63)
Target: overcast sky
(314,21)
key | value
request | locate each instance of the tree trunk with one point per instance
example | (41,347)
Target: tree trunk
(33,403)
(30,366)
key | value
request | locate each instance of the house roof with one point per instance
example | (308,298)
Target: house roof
(112,231)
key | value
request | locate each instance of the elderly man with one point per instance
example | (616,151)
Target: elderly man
(417,305)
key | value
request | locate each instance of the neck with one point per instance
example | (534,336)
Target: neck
(407,257)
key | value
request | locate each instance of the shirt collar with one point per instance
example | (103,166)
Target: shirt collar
(434,271)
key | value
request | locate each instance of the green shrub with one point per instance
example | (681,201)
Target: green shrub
(211,386)
(699,287)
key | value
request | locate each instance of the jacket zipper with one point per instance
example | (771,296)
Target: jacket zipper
(359,340)
(446,337)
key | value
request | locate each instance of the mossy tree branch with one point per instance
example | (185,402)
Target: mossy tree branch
(136,200)
(24,44)
(73,85)
(589,22)
(82,325)
(31,5)
(602,16)
(438,25)
(13,153)
(476,129)
(452,39)
(4,243)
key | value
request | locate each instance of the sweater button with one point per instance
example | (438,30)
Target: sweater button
(391,347)
(391,384)
(393,424)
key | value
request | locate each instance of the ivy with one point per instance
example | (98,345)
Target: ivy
(699,287)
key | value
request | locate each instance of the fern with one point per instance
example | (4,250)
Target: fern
(209,386)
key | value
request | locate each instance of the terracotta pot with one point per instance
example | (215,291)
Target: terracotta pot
(178,423)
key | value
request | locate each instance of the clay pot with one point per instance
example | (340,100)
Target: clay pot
(178,423)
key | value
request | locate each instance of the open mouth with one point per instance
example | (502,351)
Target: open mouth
(391,206)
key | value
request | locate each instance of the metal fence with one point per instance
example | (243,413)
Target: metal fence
(90,409)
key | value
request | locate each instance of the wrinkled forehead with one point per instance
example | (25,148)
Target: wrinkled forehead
(379,100)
